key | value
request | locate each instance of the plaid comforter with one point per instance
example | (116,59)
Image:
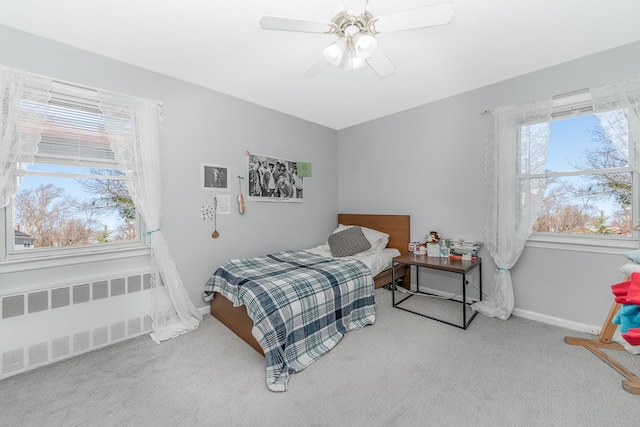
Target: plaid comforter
(301,305)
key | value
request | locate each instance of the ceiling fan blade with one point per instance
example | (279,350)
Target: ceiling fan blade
(381,64)
(429,16)
(317,66)
(354,7)
(294,24)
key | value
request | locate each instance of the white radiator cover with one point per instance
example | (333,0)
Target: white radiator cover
(46,325)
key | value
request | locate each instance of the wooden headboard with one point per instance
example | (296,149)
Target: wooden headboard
(396,226)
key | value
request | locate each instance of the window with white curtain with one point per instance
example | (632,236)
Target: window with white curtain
(561,173)
(50,129)
(591,193)
(72,198)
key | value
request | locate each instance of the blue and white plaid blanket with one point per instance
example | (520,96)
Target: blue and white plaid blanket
(301,305)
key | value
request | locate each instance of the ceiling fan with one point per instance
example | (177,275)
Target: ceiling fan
(356,28)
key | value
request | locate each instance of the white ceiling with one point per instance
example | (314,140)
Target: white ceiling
(220,45)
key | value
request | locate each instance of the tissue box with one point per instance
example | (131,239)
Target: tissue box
(433,249)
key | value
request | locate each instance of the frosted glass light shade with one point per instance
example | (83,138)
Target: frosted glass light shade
(355,62)
(365,46)
(335,52)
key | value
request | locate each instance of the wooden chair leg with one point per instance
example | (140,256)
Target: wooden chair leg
(609,328)
(631,383)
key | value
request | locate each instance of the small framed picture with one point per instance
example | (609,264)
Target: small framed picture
(214,177)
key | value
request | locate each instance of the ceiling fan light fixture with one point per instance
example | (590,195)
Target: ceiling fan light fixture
(365,45)
(334,53)
(353,62)
(356,29)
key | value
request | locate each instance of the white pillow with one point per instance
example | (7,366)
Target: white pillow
(377,239)
(629,268)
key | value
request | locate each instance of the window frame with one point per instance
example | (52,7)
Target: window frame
(573,105)
(12,260)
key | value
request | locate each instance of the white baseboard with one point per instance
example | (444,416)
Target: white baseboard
(442,294)
(556,321)
(526,314)
(204,310)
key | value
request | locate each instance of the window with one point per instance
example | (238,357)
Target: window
(72,198)
(590,191)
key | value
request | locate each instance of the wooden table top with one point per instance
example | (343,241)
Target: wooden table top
(448,264)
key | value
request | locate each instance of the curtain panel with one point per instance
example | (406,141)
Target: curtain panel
(133,127)
(23,111)
(514,169)
(617,105)
(513,196)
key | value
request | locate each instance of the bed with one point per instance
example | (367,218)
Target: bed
(353,282)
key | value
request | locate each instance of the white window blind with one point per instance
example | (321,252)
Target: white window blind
(74,130)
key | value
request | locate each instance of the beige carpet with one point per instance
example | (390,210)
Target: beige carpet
(405,370)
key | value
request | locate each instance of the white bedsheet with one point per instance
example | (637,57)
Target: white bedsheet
(377,261)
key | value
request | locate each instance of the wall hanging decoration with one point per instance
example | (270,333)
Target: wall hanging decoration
(273,179)
(224,204)
(304,169)
(214,177)
(215,233)
(240,197)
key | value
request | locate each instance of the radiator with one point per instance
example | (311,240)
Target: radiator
(46,325)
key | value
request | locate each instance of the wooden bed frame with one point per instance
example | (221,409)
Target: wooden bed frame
(396,226)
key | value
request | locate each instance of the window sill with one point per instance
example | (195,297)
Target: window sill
(59,259)
(582,244)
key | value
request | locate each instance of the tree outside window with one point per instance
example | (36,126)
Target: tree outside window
(75,211)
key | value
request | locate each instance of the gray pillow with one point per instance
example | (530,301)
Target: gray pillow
(348,242)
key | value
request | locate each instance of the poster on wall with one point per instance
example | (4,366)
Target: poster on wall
(272,179)
(214,177)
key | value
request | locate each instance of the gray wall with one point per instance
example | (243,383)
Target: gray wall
(199,125)
(429,162)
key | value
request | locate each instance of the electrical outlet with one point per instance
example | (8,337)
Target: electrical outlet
(592,330)
(206,212)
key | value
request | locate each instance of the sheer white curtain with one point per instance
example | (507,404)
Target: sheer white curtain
(617,105)
(134,128)
(23,111)
(514,185)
